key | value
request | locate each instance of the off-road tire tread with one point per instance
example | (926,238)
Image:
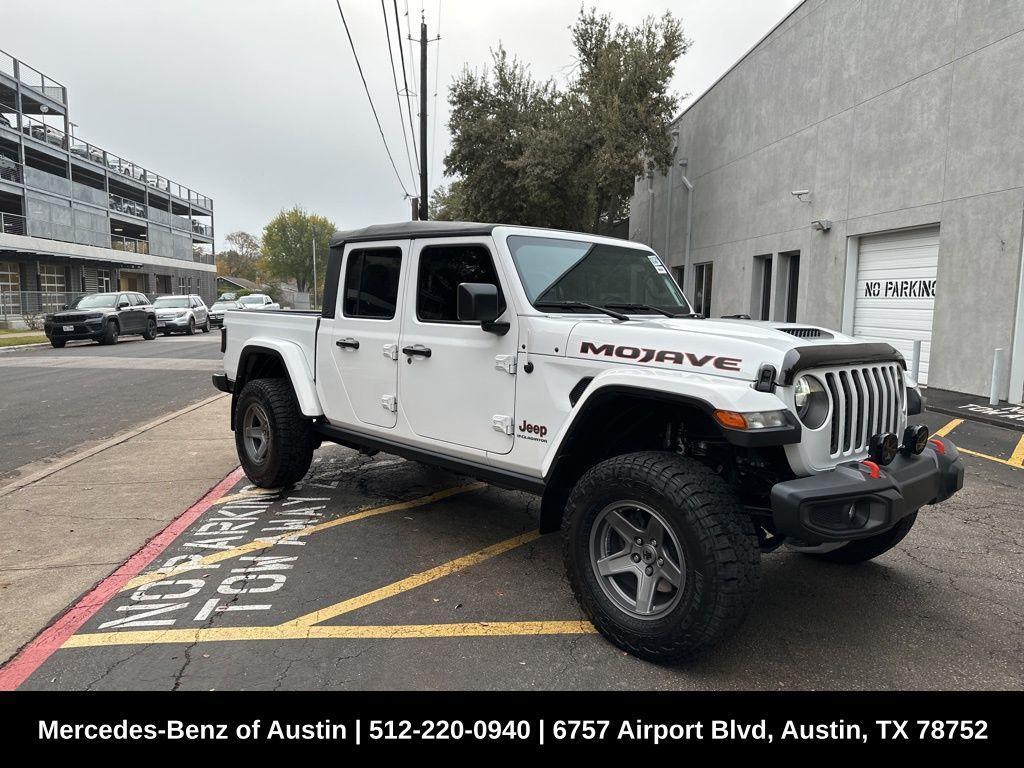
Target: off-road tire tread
(724,531)
(290,427)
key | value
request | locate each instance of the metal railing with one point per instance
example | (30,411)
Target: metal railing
(129,244)
(202,229)
(40,131)
(32,77)
(201,257)
(12,224)
(30,306)
(87,151)
(11,170)
(124,205)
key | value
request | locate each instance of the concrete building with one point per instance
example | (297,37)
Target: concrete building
(899,122)
(75,218)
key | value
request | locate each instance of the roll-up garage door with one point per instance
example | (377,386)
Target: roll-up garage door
(896,290)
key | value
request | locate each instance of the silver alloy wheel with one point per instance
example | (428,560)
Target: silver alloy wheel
(637,559)
(256,428)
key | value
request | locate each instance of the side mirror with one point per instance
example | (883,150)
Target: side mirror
(478,302)
(123,305)
(63,306)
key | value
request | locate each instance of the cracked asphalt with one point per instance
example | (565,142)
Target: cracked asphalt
(328,602)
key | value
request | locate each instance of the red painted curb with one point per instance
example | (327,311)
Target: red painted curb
(32,656)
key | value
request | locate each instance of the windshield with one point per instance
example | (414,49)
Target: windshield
(223,305)
(555,271)
(95,301)
(256,298)
(171,301)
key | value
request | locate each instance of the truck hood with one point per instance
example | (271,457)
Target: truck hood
(723,347)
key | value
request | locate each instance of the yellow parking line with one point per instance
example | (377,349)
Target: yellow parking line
(945,430)
(996,459)
(1017,459)
(416,580)
(373,632)
(253,546)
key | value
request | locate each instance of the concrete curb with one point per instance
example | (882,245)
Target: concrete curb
(15,347)
(42,474)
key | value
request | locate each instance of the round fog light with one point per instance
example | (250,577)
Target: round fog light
(883,447)
(915,439)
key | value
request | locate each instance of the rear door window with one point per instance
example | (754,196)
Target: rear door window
(371,283)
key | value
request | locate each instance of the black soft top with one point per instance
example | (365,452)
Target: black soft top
(411,229)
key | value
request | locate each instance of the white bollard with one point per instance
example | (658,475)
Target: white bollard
(997,377)
(915,363)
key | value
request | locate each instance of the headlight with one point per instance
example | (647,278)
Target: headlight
(180,314)
(811,401)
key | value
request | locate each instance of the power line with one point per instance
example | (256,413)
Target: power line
(370,99)
(405,79)
(394,79)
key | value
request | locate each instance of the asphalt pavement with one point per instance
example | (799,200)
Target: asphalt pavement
(377,573)
(57,400)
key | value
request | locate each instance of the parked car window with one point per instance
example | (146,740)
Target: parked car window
(94,301)
(371,283)
(174,302)
(442,268)
(141,300)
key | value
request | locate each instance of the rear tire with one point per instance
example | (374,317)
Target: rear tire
(57,344)
(274,440)
(110,333)
(206,326)
(862,550)
(150,333)
(701,532)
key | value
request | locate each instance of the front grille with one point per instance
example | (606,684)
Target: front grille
(866,400)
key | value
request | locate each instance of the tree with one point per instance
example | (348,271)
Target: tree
(242,259)
(530,153)
(288,247)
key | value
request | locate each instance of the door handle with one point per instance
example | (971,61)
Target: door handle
(348,343)
(417,349)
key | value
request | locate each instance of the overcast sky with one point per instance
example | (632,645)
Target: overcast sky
(258,104)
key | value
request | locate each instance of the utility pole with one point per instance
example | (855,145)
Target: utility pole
(423,119)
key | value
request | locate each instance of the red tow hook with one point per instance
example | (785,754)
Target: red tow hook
(874,469)
(939,446)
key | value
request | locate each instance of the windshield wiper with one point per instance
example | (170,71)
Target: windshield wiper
(582,305)
(658,310)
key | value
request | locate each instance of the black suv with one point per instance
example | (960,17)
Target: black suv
(102,317)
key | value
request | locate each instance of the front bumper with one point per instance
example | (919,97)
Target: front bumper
(172,323)
(80,330)
(849,503)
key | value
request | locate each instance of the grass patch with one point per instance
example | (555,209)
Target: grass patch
(18,341)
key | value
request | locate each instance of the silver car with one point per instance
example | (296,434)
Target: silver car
(181,314)
(219,308)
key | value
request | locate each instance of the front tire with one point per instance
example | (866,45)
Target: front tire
(57,344)
(274,440)
(191,330)
(110,334)
(862,550)
(660,554)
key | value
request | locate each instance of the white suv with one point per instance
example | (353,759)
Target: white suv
(670,449)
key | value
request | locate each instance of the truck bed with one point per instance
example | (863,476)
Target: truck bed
(274,327)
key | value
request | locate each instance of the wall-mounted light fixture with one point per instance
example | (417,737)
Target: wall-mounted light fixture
(803,195)
(822,225)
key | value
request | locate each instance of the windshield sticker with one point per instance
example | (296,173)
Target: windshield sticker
(646,355)
(657,264)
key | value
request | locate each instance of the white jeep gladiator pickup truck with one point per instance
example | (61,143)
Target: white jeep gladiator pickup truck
(670,449)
